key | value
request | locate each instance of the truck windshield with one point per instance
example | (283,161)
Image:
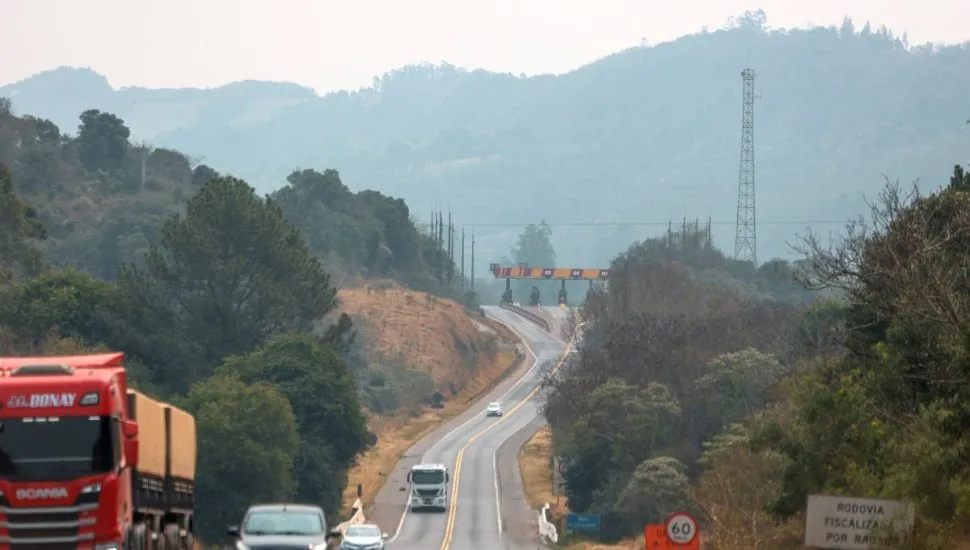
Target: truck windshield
(427,477)
(56,448)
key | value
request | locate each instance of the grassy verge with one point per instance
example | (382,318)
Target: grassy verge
(396,433)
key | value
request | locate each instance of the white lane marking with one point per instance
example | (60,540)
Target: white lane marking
(498,499)
(400,524)
(535,364)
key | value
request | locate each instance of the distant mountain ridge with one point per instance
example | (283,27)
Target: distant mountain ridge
(646,135)
(150,112)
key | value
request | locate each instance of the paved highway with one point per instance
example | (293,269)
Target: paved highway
(487,508)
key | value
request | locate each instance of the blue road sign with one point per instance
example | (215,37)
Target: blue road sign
(583,523)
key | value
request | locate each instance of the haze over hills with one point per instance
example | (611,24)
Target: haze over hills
(646,135)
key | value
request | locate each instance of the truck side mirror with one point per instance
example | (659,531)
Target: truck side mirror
(131,452)
(129,429)
(409,477)
(233,531)
(447,477)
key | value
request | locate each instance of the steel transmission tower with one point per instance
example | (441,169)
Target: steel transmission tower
(745,240)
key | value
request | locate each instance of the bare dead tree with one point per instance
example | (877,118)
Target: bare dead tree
(570,325)
(906,272)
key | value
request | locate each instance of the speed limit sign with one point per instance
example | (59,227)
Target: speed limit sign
(681,528)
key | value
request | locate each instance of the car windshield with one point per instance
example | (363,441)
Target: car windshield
(494,405)
(279,522)
(363,531)
(55,448)
(427,477)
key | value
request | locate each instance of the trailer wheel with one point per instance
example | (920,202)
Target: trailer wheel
(170,534)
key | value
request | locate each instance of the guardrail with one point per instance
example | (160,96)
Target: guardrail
(537,319)
(355,519)
(547,529)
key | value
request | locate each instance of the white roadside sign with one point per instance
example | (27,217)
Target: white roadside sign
(848,523)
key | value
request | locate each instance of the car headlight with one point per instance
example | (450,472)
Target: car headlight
(108,546)
(241,546)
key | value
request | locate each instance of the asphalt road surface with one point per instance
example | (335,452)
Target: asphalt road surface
(490,511)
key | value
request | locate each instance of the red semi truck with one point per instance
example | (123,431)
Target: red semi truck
(86,463)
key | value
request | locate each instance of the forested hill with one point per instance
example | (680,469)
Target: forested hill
(103,201)
(648,134)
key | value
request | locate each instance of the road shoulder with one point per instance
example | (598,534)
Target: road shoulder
(518,517)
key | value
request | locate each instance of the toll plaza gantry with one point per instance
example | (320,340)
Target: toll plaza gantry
(556,273)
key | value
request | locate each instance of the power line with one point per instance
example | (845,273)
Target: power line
(597,224)
(659,224)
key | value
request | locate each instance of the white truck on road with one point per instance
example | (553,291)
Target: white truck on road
(429,486)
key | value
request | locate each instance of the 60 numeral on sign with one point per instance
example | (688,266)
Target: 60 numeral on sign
(681,528)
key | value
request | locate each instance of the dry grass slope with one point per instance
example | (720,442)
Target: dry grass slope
(424,331)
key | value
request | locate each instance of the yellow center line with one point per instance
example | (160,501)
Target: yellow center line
(453,502)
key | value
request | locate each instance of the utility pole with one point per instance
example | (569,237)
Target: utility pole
(146,150)
(436,239)
(473,263)
(745,241)
(451,251)
(441,248)
(463,258)
(434,242)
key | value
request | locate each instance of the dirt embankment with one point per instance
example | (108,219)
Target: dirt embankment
(462,353)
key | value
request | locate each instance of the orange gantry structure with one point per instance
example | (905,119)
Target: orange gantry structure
(550,273)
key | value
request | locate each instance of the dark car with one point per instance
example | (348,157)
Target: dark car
(281,527)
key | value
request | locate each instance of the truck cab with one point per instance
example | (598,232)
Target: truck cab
(66,447)
(429,486)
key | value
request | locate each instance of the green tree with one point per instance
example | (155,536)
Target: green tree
(365,232)
(324,396)
(648,416)
(102,140)
(534,247)
(247,443)
(202,175)
(658,487)
(335,223)
(735,386)
(74,304)
(18,227)
(228,275)
(960,180)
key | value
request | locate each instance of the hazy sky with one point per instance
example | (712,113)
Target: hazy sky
(329,44)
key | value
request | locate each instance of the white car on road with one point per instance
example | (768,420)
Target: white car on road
(494,409)
(365,536)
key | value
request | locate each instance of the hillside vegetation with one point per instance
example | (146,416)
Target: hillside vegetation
(634,136)
(104,201)
(225,304)
(705,385)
